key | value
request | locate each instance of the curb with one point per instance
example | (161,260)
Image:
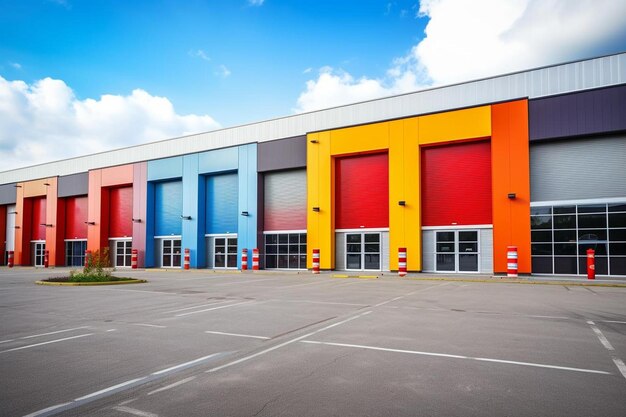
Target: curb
(75,284)
(517,281)
(354,276)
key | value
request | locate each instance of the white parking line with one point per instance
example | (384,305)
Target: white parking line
(109,389)
(149,325)
(134,411)
(317,302)
(174,385)
(238,335)
(45,410)
(297,339)
(184,365)
(445,355)
(198,306)
(49,333)
(611,321)
(605,342)
(211,309)
(46,343)
(6,341)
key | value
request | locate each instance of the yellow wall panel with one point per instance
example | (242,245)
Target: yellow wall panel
(455,125)
(360,139)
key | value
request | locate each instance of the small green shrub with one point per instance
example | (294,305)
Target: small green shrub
(97,268)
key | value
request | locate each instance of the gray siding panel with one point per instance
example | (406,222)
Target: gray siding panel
(585,113)
(282,154)
(428,250)
(578,169)
(8,194)
(340,251)
(385,253)
(75,184)
(486,251)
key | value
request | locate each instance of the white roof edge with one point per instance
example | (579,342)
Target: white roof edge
(550,80)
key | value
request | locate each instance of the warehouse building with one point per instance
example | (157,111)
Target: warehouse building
(454,174)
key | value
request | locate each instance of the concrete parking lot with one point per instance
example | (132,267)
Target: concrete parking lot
(210,344)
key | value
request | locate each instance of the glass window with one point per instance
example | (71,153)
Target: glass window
(542,236)
(363,251)
(541,249)
(591,221)
(617,220)
(565,236)
(565,222)
(564,210)
(617,207)
(592,208)
(75,253)
(541,222)
(565,265)
(290,247)
(542,265)
(617,235)
(540,210)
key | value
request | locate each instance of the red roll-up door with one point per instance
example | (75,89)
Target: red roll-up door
(75,218)
(456,184)
(362,191)
(39,218)
(121,212)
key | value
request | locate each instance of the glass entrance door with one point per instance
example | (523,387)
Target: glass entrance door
(456,251)
(123,253)
(225,253)
(171,255)
(363,251)
(39,251)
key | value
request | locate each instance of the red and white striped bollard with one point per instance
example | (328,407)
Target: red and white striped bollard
(46,258)
(87,258)
(401,262)
(316,261)
(255,259)
(186,263)
(133,258)
(511,259)
(244,259)
(10,260)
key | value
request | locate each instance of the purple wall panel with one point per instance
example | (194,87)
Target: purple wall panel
(585,113)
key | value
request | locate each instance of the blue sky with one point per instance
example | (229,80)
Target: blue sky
(91,75)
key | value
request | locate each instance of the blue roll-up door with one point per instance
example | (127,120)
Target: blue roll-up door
(221,203)
(168,207)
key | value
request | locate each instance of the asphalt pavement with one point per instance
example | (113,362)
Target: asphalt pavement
(202,343)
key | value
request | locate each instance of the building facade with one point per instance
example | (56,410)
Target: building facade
(455,174)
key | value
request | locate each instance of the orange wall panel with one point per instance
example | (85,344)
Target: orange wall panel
(511,174)
(116,176)
(3,230)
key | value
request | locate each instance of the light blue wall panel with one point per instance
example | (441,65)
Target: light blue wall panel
(193,203)
(167,168)
(222,203)
(168,207)
(248,184)
(219,160)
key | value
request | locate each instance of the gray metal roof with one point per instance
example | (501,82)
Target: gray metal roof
(557,79)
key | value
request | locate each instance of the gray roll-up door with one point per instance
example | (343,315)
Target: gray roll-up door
(285,200)
(578,169)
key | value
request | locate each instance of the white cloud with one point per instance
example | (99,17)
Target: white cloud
(16,65)
(45,121)
(256,2)
(199,53)
(472,39)
(223,71)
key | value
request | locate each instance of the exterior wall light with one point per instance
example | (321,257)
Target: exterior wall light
(402,203)
(245,213)
(316,209)
(185,217)
(90,223)
(17,186)
(46,184)
(46,224)
(314,141)
(512,196)
(136,220)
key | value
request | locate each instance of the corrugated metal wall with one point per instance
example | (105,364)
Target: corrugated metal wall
(221,203)
(456,184)
(340,250)
(75,218)
(384,251)
(285,200)
(10,230)
(362,191)
(210,243)
(578,169)
(38,218)
(428,250)
(168,207)
(558,79)
(121,212)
